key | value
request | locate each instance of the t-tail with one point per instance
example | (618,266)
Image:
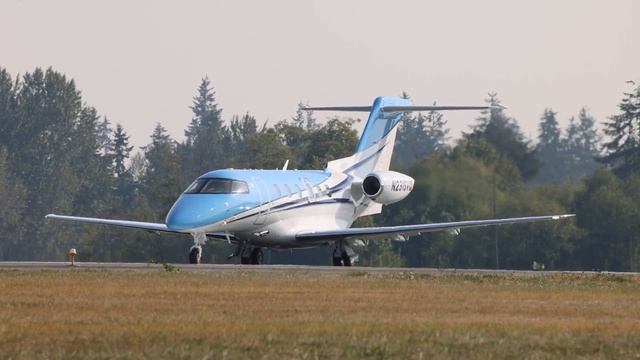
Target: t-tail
(375,147)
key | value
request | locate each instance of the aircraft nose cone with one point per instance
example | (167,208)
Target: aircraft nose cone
(193,211)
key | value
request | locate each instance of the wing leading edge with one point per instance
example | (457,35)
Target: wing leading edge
(124,223)
(131,224)
(404,231)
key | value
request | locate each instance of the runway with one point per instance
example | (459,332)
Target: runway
(292,269)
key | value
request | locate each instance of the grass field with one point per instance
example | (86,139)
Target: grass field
(127,314)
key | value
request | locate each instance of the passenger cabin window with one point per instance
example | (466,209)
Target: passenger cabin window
(217,186)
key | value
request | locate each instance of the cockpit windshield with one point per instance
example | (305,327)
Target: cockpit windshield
(217,186)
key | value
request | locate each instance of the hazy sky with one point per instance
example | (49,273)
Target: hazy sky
(139,62)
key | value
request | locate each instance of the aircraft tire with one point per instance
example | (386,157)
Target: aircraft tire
(257,256)
(195,254)
(346,260)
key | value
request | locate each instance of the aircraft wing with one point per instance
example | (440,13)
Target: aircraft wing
(153,227)
(124,223)
(405,231)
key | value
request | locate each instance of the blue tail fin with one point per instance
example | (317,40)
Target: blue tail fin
(380,122)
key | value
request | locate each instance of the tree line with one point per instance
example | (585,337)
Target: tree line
(58,154)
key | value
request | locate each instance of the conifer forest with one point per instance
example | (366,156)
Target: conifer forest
(59,154)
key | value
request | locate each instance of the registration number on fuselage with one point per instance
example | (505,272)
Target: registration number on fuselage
(401,185)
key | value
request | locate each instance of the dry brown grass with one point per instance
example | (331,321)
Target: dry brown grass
(103,314)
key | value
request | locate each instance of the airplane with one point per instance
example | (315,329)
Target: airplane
(283,209)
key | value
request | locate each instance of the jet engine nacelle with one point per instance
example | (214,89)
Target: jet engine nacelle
(387,187)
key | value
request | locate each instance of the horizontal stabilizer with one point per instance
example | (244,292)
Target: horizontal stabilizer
(338,108)
(407,108)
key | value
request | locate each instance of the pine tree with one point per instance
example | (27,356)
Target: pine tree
(205,110)
(203,149)
(7,107)
(299,118)
(123,178)
(418,136)
(549,149)
(103,134)
(121,151)
(162,179)
(305,118)
(504,135)
(580,146)
(12,208)
(549,136)
(240,130)
(91,165)
(311,122)
(623,130)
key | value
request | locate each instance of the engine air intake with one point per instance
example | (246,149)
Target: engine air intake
(371,185)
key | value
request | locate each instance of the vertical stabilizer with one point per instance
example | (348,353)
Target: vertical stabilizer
(376,142)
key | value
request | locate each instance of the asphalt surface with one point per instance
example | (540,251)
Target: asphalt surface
(297,269)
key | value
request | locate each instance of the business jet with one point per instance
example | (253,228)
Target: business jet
(282,209)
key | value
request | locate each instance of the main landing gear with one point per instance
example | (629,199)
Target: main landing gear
(343,255)
(249,255)
(252,256)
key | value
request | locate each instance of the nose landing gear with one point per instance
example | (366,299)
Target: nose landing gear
(195,253)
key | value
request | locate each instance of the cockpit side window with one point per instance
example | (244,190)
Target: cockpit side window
(217,186)
(195,186)
(239,187)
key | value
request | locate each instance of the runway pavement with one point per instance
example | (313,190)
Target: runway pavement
(294,269)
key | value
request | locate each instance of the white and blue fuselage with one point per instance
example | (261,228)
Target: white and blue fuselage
(264,207)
